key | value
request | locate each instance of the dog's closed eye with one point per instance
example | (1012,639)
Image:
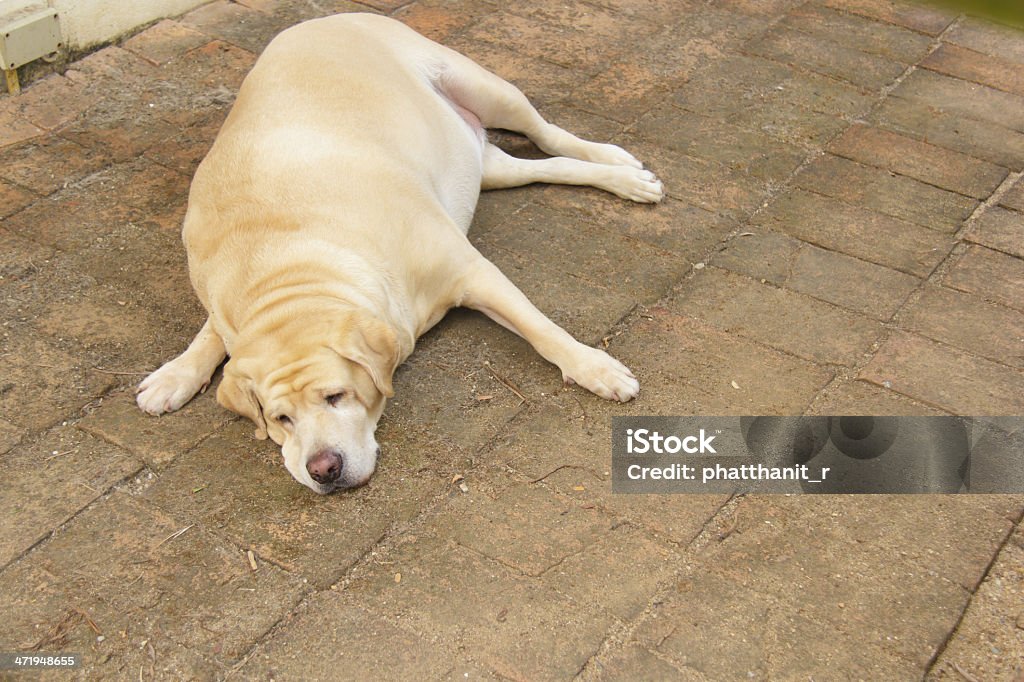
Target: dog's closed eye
(283,419)
(335,398)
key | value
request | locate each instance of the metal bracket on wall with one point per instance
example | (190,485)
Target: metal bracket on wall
(26,36)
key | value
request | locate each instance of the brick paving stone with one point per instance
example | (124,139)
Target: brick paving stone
(13,198)
(21,257)
(164,41)
(924,19)
(992,39)
(963,98)
(683,229)
(858,587)
(54,101)
(838,564)
(183,152)
(454,597)
(823,56)
(46,220)
(1014,197)
(238,487)
(449,385)
(10,435)
(992,275)
(849,283)
(980,139)
(759,9)
(440,19)
(767,256)
(989,640)
(779,318)
(139,184)
(859,33)
(595,575)
(966,533)
(844,281)
(969,322)
(969,384)
(973,66)
(553,527)
(567,447)
(753,152)
(569,241)
(156,440)
(725,631)
(351,639)
(47,164)
(50,479)
(117,335)
(711,185)
(687,366)
(235,24)
(572,35)
(581,305)
(42,383)
(111,69)
(542,81)
(663,61)
(122,128)
(653,10)
(862,398)
(760,94)
(39,604)
(854,230)
(14,129)
(899,196)
(634,662)
(198,590)
(999,229)
(928,163)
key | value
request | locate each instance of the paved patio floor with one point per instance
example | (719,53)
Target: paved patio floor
(842,234)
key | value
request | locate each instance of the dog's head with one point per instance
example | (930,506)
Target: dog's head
(317,390)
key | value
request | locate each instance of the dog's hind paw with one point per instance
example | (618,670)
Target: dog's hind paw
(634,184)
(168,388)
(602,375)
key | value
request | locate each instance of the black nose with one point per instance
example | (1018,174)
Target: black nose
(325,466)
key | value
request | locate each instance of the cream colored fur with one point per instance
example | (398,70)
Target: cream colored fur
(326,231)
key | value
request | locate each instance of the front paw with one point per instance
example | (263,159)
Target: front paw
(602,375)
(168,388)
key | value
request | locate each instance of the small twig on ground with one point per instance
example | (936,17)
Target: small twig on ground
(115,371)
(553,471)
(963,673)
(90,621)
(58,454)
(731,528)
(174,535)
(505,383)
(57,637)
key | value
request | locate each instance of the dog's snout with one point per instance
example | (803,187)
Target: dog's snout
(325,466)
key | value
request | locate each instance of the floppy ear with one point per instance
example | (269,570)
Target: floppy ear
(373,345)
(237,394)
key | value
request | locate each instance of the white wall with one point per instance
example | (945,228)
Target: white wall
(84,23)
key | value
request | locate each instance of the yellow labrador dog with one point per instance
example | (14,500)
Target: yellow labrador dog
(326,231)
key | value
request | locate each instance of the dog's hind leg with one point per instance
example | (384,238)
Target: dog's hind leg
(174,384)
(636,184)
(499,104)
